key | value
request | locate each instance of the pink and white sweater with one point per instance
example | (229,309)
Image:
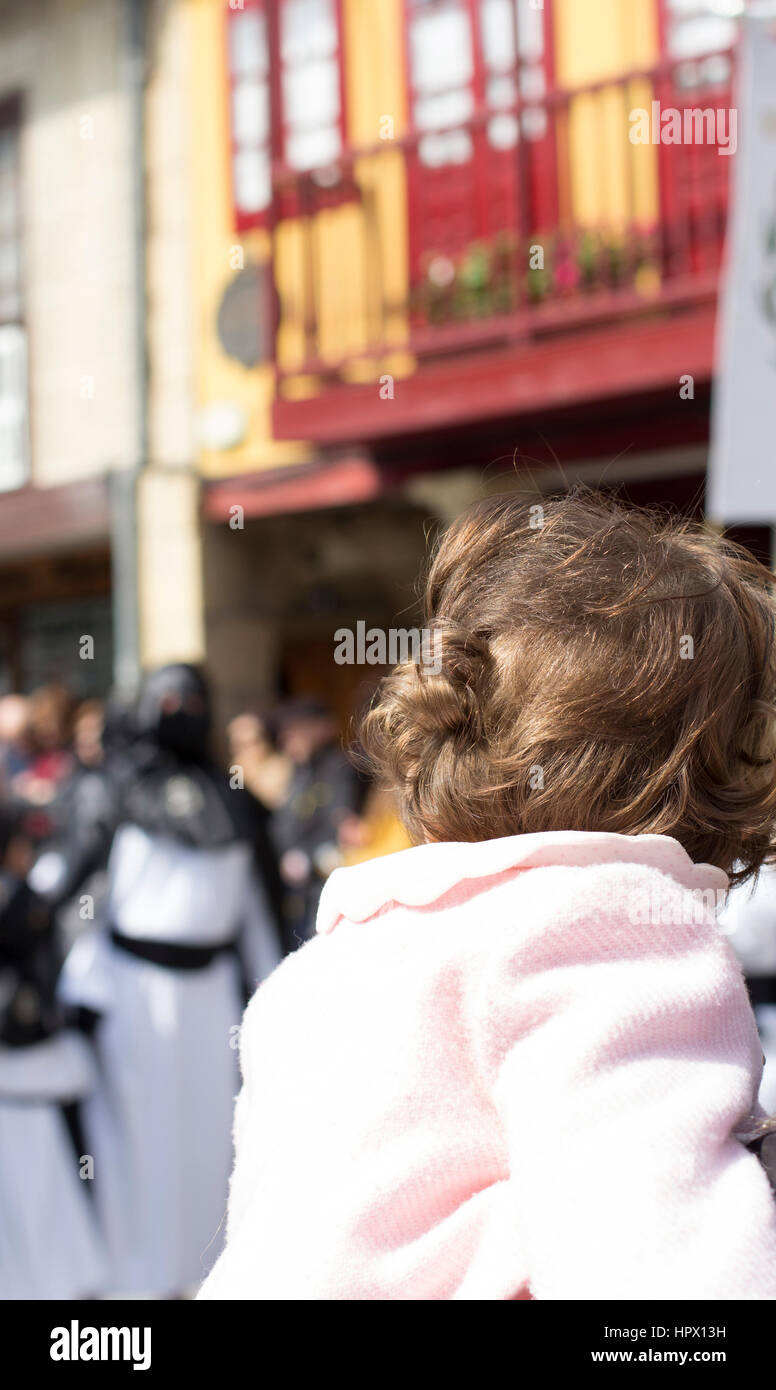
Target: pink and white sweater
(501,1071)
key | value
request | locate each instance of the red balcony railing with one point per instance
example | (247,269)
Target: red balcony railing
(532,220)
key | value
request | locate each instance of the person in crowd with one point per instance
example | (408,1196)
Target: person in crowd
(521,1052)
(15,746)
(267,771)
(749,919)
(88,724)
(50,1242)
(70,871)
(323,791)
(377,831)
(189,927)
(50,733)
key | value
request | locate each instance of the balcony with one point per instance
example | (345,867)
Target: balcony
(532,258)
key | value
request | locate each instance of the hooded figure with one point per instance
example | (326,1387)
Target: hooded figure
(188,929)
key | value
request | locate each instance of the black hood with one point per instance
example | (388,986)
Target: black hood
(170,785)
(173,711)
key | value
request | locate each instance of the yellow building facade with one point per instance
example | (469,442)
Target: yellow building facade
(349,174)
(591,43)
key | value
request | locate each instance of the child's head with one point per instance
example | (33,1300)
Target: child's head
(602,668)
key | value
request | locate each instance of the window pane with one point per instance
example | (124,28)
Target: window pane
(251,180)
(10,305)
(9,184)
(49,639)
(701,35)
(308,30)
(503,132)
(250,113)
(534,123)
(692,30)
(441,51)
(13,407)
(447,109)
(453,147)
(716,71)
(501,92)
(311,149)
(7,152)
(311,94)
(684,9)
(498,34)
(530,29)
(10,242)
(248,43)
(532,82)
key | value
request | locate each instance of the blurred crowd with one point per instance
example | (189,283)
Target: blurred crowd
(322,814)
(145,890)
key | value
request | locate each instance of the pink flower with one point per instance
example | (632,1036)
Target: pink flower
(566,275)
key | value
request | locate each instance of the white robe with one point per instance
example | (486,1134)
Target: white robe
(159,1123)
(50,1244)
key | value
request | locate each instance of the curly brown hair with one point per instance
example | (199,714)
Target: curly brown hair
(599,667)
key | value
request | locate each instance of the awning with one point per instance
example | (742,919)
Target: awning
(34,520)
(303,488)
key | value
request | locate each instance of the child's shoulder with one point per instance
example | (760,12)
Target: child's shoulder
(636,879)
(523,903)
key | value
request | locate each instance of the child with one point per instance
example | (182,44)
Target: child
(514,1060)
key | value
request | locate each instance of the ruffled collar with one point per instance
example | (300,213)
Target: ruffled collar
(418,877)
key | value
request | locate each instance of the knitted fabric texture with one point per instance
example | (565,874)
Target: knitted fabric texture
(503,1070)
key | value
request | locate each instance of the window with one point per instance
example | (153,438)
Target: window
(286,96)
(250,111)
(468,56)
(481,162)
(310,104)
(693,180)
(48,643)
(513,56)
(13,340)
(693,34)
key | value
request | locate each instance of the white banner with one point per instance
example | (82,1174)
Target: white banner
(742,465)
